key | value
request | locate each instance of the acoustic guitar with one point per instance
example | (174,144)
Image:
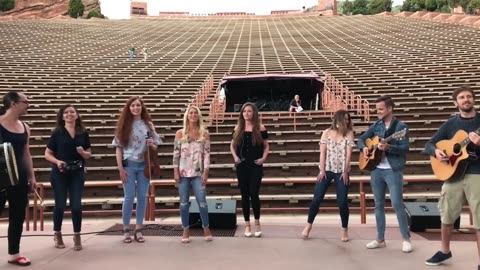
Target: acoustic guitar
(457,157)
(375,156)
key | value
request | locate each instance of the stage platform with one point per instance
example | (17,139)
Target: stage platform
(280,247)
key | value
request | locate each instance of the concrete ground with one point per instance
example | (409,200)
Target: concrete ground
(280,247)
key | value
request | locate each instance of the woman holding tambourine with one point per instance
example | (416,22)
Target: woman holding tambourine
(67,150)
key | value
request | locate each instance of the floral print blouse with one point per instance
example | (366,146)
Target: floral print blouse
(192,157)
(137,144)
(336,154)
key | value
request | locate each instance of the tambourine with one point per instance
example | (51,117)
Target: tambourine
(8,166)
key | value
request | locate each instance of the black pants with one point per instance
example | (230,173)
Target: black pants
(249,180)
(73,184)
(17,202)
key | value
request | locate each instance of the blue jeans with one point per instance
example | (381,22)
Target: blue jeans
(184,192)
(381,179)
(131,53)
(73,184)
(136,180)
(342,197)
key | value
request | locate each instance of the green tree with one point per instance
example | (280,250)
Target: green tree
(347,7)
(431,5)
(473,7)
(442,6)
(6,5)
(455,3)
(75,8)
(396,9)
(379,6)
(408,5)
(360,7)
(95,14)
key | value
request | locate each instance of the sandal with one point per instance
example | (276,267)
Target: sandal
(139,239)
(58,240)
(344,237)
(77,242)
(186,236)
(128,236)
(208,234)
(21,261)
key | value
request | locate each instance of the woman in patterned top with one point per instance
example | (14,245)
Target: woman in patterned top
(134,132)
(191,161)
(335,153)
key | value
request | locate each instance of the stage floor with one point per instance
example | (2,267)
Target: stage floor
(280,247)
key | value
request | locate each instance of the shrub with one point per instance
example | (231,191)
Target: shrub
(95,14)
(6,5)
(75,8)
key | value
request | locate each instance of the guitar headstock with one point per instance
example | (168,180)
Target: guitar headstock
(399,134)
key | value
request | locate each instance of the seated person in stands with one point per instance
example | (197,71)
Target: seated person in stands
(67,150)
(335,153)
(296,104)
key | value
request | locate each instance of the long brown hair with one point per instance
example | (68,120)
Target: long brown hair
(125,121)
(240,127)
(339,123)
(60,124)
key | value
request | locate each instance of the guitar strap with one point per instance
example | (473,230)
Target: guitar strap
(391,129)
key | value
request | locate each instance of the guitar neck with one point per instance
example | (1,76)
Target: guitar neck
(467,140)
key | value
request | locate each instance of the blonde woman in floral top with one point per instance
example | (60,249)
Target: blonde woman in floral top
(335,153)
(191,160)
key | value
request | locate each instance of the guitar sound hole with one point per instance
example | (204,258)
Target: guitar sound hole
(457,149)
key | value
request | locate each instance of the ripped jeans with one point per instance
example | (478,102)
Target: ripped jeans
(184,192)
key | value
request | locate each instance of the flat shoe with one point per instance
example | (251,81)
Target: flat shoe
(21,261)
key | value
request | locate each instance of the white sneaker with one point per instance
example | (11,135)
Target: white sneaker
(375,244)
(407,247)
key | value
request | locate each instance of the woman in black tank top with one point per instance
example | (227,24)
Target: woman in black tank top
(17,133)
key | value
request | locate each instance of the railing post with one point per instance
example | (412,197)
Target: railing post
(35,209)
(42,210)
(363,206)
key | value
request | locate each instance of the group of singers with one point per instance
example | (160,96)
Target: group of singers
(69,146)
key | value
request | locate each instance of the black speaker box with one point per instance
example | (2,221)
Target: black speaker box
(222,214)
(424,215)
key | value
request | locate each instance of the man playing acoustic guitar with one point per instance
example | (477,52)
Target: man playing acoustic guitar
(464,188)
(389,171)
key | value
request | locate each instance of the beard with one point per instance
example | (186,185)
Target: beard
(467,110)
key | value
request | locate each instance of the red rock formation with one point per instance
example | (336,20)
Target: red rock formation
(45,9)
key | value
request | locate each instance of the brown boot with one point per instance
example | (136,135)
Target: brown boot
(58,240)
(77,242)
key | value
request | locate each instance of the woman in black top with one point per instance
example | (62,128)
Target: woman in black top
(67,150)
(17,133)
(249,149)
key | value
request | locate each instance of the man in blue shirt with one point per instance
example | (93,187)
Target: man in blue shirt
(389,172)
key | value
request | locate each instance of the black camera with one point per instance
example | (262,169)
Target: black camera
(73,165)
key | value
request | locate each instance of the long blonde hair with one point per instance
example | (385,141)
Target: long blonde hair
(186,125)
(240,127)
